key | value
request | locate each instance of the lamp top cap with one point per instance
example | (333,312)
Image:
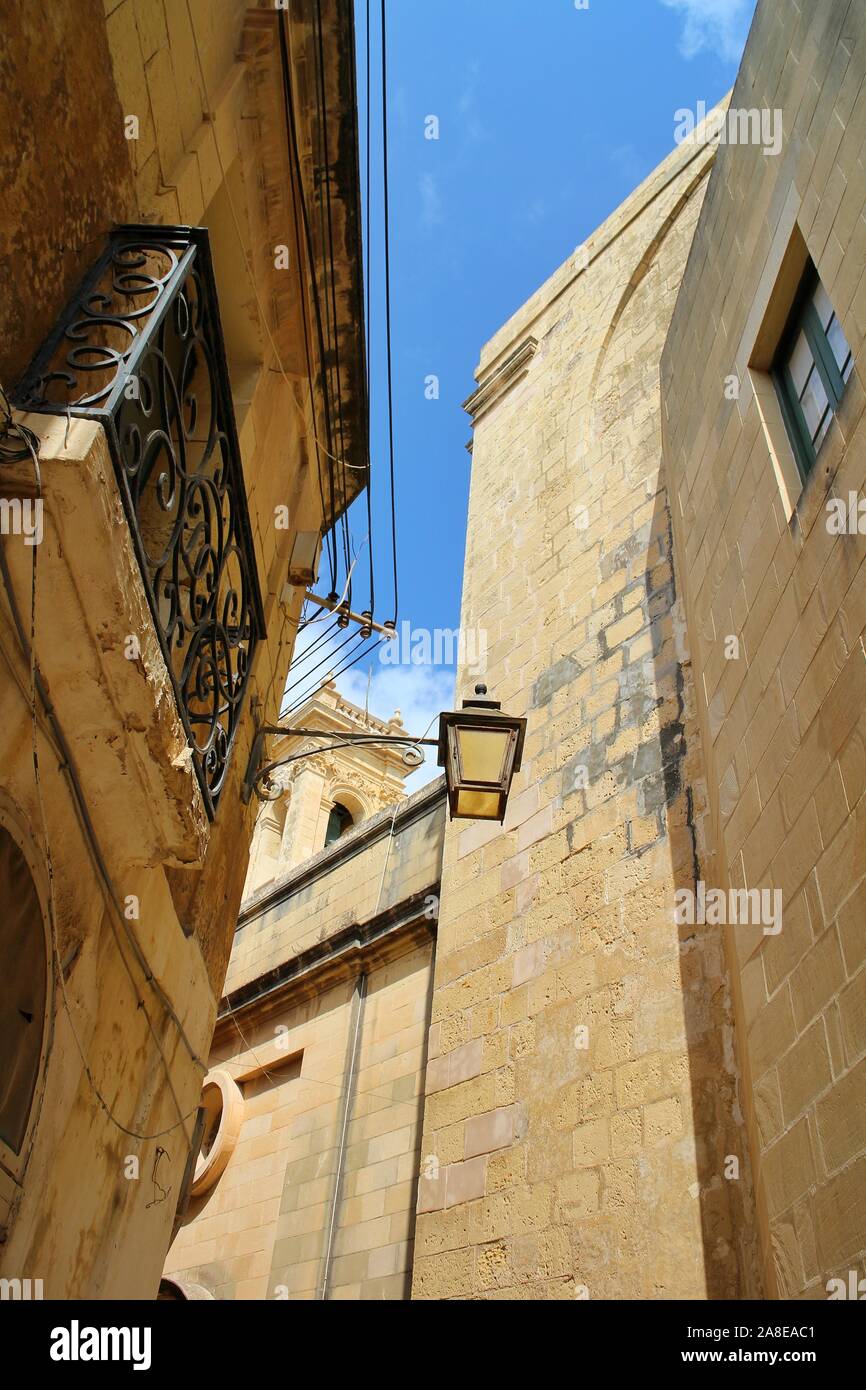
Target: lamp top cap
(480,702)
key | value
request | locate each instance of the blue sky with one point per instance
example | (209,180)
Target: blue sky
(549,115)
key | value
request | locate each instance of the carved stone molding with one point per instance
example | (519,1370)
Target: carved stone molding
(515,366)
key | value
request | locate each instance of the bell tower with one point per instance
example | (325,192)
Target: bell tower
(324,796)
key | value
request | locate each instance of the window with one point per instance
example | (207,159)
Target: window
(339,821)
(23,991)
(810,369)
(223,1106)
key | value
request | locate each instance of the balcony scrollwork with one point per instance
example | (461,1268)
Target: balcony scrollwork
(139,348)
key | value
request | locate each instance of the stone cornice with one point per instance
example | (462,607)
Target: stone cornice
(507,375)
(402,813)
(333,710)
(359,947)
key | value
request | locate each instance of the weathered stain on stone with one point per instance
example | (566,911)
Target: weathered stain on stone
(562,673)
(57,207)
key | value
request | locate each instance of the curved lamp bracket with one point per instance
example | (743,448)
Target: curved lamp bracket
(256,779)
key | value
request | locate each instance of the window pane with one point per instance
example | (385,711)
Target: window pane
(814,403)
(823,307)
(839,346)
(800,363)
(822,430)
(808,386)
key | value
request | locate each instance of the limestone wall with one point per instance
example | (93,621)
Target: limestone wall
(374,867)
(581,1081)
(325,1034)
(121,1077)
(783,724)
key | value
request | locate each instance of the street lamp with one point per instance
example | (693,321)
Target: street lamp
(480,749)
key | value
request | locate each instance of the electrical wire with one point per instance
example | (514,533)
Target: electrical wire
(333,675)
(28,445)
(344,598)
(329,656)
(368,284)
(326,450)
(37,687)
(335,621)
(327,260)
(330,537)
(291,135)
(388,301)
(288,64)
(304,655)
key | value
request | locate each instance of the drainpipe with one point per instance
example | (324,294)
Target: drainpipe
(350,1073)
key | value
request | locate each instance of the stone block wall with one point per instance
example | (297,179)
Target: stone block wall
(393,856)
(324,1031)
(129,1033)
(784,723)
(581,1083)
(262,1231)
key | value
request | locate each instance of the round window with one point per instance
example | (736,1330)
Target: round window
(223,1106)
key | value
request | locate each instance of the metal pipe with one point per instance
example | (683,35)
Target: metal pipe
(358,998)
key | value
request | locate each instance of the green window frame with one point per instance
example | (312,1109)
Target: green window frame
(810,370)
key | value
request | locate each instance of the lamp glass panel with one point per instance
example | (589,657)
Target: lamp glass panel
(478,805)
(482,754)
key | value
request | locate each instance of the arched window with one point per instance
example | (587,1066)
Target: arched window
(23,990)
(339,821)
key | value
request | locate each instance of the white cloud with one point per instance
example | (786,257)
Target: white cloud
(469,122)
(418,692)
(534,212)
(466,100)
(431,202)
(718,25)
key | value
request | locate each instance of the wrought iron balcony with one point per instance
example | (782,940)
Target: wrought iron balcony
(139,348)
